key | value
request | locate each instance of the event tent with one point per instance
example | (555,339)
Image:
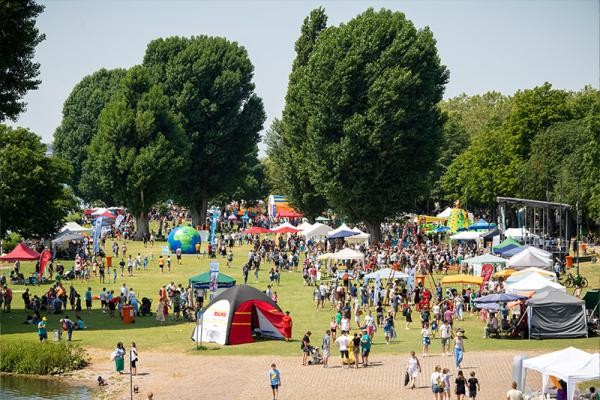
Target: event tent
(21,253)
(386,273)
(536,283)
(505,243)
(289,214)
(304,226)
(233,316)
(322,219)
(341,234)
(342,227)
(67,236)
(286,227)
(347,254)
(571,365)
(202,281)
(519,233)
(317,231)
(446,213)
(555,314)
(256,229)
(478,262)
(481,225)
(498,298)
(530,270)
(466,235)
(75,228)
(510,251)
(359,237)
(462,278)
(592,301)
(529,258)
(324,256)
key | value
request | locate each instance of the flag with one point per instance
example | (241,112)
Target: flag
(45,258)
(97,231)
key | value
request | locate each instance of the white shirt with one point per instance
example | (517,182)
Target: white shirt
(514,394)
(345,324)
(434,378)
(343,341)
(425,332)
(445,331)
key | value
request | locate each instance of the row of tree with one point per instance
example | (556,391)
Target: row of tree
(364,131)
(183,125)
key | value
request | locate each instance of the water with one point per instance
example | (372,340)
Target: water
(26,388)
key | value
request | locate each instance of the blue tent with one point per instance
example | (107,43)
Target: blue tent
(499,298)
(502,250)
(441,229)
(512,252)
(342,234)
(481,224)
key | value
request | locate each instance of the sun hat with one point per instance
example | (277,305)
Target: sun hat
(44,319)
(459,333)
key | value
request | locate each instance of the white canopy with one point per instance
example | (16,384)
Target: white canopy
(284,225)
(529,258)
(520,275)
(446,213)
(540,252)
(342,227)
(347,254)
(534,282)
(466,235)
(361,237)
(304,226)
(317,231)
(386,273)
(571,365)
(74,227)
(518,233)
(485,259)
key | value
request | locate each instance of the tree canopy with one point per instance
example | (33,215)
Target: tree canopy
(80,123)
(371,90)
(33,198)
(208,81)
(18,39)
(140,149)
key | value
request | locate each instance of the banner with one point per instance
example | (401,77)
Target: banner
(97,231)
(214,276)
(119,220)
(486,272)
(213,226)
(45,258)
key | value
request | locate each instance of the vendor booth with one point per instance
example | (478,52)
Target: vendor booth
(386,273)
(529,258)
(348,254)
(317,231)
(534,283)
(571,365)
(21,253)
(555,314)
(476,263)
(461,278)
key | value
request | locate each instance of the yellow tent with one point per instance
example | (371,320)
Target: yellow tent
(325,256)
(504,273)
(462,278)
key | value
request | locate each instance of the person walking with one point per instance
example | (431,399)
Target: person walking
(342,342)
(460,383)
(514,394)
(287,326)
(446,378)
(365,344)
(133,357)
(413,369)
(68,326)
(425,338)
(356,349)
(446,335)
(119,357)
(305,347)
(437,383)
(326,346)
(459,349)
(43,329)
(274,380)
(474,387)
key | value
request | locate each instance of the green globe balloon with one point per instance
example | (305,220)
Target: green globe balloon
(184,238)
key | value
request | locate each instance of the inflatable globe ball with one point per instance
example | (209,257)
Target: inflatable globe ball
(185,238)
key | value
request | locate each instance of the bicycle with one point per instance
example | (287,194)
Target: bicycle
(574,281)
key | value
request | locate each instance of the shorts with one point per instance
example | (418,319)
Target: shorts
(426,341)
(179,257)
(305,349)
(325,353)
(344,354)
(88,303)
(43,336)
(133,363)
(365,352)
(473,393)
(445,341)
(275,386)
(436,389)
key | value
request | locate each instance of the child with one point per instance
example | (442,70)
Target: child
(229,258)
(275,380)
(145,262)
(446,379)
(473,386)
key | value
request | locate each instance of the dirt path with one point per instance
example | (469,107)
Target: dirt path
(186,376)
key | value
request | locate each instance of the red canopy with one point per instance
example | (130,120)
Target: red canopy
(21,253)
(107,214)
(286,229)
(257,229)
(289,214)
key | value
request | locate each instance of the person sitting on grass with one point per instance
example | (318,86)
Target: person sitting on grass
(80,324)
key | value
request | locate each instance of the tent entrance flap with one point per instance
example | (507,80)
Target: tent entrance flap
(255,315)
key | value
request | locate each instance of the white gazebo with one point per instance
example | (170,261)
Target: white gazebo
(347,254)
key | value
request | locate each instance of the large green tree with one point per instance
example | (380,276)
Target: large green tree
(209,83)
(80,123)
(286,138)
(18,38)
(33,198)
(371,91)
(140,149)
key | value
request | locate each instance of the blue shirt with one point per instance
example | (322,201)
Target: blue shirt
(274,376)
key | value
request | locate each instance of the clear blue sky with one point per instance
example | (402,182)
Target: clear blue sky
(487,45)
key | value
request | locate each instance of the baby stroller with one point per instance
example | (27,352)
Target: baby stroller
(146,307)
(315,356)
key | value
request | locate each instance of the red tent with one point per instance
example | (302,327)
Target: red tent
(289,214)
(286,229)
(257,229)
(21,253)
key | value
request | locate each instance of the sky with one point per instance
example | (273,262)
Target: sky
(487,45)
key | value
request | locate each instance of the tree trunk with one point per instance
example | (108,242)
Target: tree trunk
(195,216)
(142,227)
(198,212)
(374,229)
(203,209)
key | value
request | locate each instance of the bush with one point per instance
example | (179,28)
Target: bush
(11,241)
(41,358)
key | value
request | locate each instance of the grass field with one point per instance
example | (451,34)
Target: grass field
(104,332)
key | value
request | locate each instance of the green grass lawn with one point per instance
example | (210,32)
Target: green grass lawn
(104,332)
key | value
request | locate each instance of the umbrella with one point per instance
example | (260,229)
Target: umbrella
(342,234)
(499,298)
(257,229)
(232,217)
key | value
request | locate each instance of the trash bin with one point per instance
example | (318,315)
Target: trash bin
(569,261)
(420,279)
(127,314)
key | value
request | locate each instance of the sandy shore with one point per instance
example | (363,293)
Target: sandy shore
(194,376)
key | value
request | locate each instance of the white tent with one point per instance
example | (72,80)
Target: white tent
(386,273)
(317,231)
(540,252)
(362,237)
(284,225)
(446,213)
(520,275)
(466,235)
(529,258)
(478,262)
(534,282)
(74,227)
(571,365)
(342,227)
(304,226)
(347,254)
